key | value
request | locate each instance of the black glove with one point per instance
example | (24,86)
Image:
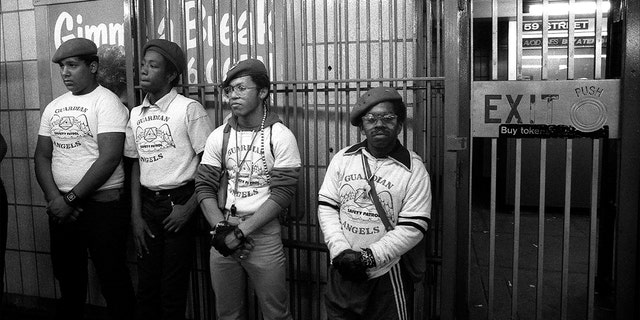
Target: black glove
(220,233)
(350,265)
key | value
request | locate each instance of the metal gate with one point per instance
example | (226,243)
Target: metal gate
(542,120)
(322,55)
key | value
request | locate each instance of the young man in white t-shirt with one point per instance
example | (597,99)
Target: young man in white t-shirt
(262,162)
(167,134)
(78,162)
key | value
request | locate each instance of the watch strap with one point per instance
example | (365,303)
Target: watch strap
(71,198)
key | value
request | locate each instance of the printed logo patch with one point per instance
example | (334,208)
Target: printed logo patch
(69,127)
(154,138)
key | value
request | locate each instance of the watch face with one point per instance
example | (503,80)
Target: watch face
(71,196)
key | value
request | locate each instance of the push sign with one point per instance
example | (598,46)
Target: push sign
(545,109)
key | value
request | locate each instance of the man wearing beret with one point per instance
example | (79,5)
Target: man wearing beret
(78,162)
(375,177)
(166,135)
(262,163)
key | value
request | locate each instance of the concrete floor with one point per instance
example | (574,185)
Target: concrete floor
(576,298)
(503,284)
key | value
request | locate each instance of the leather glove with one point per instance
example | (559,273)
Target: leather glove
(220,233)
(350,265)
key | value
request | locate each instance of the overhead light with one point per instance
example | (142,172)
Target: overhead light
(557,9)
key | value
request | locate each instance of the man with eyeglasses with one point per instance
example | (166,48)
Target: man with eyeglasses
(259,157)
(375,177)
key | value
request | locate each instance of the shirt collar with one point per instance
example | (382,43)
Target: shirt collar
(399,154)
(162,103)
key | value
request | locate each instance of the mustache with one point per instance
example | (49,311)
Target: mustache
(381,131)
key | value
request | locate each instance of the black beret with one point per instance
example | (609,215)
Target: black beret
(73,48)
(372,98)
(249,67)
(169,50)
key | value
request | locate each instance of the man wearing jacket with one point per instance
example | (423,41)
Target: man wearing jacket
(366,278)
(262,163)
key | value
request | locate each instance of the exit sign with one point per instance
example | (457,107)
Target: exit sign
(545,109)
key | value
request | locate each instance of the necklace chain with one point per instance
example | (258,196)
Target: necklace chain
(264,161)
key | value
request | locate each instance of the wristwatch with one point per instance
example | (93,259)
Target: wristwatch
(71,198)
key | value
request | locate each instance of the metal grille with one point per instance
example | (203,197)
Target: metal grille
(322,56)
(530,261)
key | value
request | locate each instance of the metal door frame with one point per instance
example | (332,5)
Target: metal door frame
(455,285)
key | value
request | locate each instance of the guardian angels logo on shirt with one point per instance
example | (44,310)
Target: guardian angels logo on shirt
(70,127)
(358,205)
(154,138)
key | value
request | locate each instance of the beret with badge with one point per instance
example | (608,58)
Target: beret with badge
(248,67)
(73,48)
(372,98)
(169,50)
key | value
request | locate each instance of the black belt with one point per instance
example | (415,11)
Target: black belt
(188,187)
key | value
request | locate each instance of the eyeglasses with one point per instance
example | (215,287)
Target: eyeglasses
(239,89)
(387,118)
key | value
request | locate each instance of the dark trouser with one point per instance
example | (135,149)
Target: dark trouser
(101,228)
(163,273)
(3,236)
(388,297)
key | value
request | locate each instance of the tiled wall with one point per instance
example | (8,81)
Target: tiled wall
(28,263)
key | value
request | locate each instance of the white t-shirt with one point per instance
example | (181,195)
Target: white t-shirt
(248,181)
(348,217)
(73,123)
(166,138)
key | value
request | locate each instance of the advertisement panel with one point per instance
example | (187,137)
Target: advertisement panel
(229,32)
(99,21)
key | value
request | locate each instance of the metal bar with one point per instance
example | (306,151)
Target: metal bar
(593,227)
(167,21)
(571,48)
(494,172)
(516,230)
(233,21)
(627,266)
(307,131)
(368,80)
(218,63)
(545,42)
(404,41)
(492,227)
(316,154)
(358,39)
(541,222)
(494,39)
(268,40)
(368,26)
(519,10)
(252,50)
(597,55)
(380,47)
(130,49)
(439,41)
(347,63)
(199,51)
(455,22)
(393,37)
(428,142)
(338,43)
(566,236)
